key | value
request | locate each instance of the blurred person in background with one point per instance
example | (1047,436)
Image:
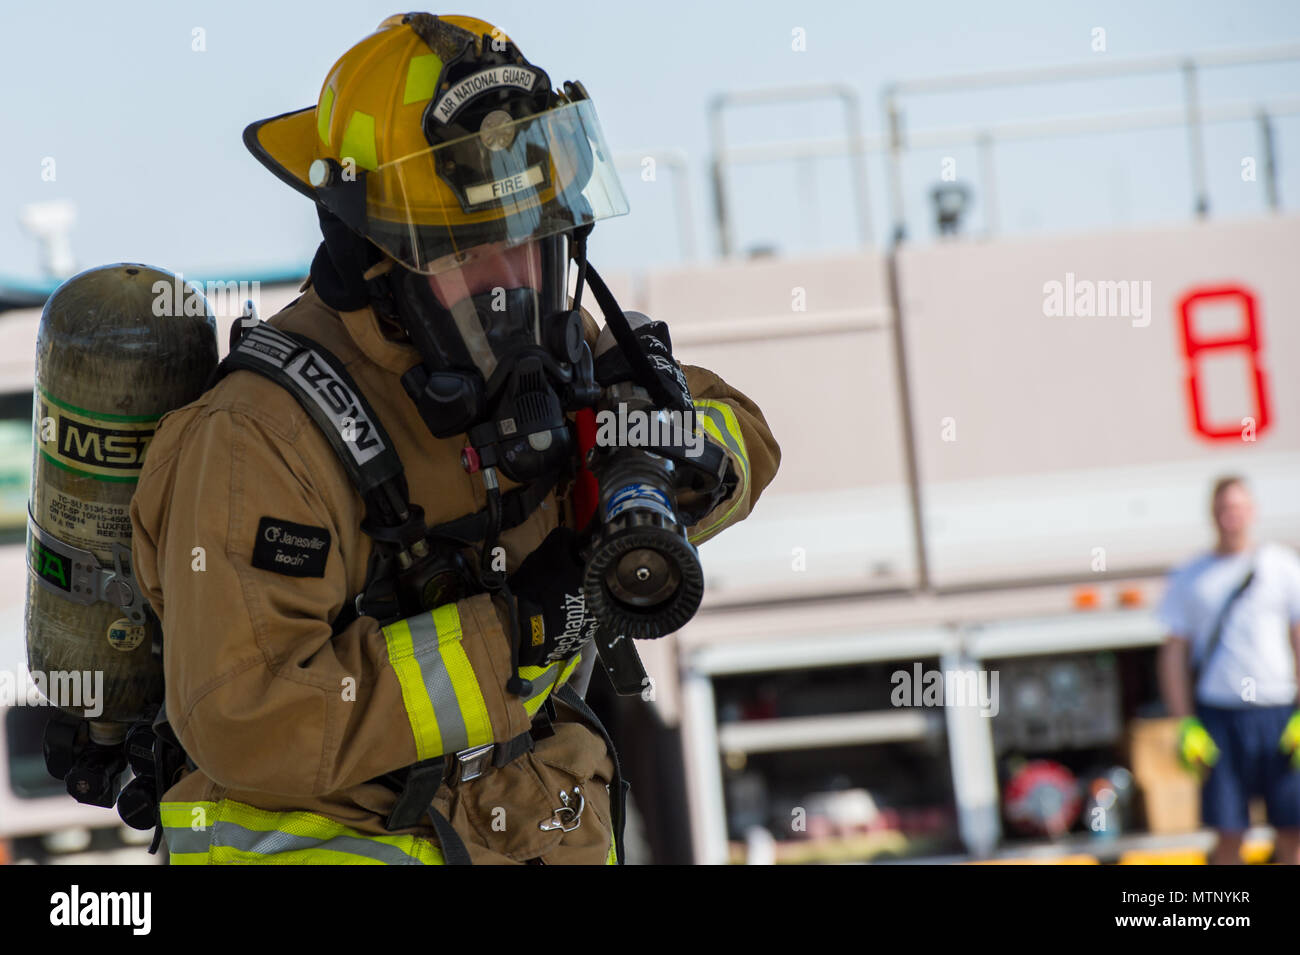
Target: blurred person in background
(1228,671)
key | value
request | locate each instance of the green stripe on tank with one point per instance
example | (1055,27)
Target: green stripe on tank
(100,415)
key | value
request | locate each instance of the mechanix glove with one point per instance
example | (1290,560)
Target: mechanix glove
(1196,749)
(1290,741)
(547,587)
(652,338)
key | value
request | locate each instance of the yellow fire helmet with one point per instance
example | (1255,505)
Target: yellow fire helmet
(434,136)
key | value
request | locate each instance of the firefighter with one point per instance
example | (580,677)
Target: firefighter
(455,188)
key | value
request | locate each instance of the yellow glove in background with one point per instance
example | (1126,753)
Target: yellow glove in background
(1291,739)
(1196,749)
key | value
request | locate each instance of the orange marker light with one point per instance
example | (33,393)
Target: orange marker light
(1131,597)
(1086,598)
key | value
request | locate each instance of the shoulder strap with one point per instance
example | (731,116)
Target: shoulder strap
(316,377)
(1216,635)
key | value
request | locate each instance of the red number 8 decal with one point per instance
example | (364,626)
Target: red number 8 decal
(1193,347)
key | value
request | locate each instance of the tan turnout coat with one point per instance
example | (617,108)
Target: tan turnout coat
(282,716)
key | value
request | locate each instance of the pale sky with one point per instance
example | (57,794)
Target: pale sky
(144,130)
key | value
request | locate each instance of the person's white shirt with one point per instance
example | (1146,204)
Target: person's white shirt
(1254,664)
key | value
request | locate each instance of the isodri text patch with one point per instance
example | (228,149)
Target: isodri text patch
(298,550)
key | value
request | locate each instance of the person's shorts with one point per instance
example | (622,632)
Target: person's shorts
(1251,763)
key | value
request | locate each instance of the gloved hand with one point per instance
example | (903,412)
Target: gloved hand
(1196,749)
(652,337)
(547,588)
(1291,739)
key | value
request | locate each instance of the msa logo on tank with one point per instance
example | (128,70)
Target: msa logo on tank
(48,566)
(92,444)
(337,400)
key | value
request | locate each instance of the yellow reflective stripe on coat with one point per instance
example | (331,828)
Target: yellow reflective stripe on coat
(229,832)
(440,690)
(545,679)
(719,422)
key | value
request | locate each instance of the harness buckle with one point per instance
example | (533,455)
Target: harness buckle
(472,763)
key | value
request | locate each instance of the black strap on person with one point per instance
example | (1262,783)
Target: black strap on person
(619,786)
(1216,635)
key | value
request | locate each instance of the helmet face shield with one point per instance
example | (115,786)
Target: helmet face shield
(512,182)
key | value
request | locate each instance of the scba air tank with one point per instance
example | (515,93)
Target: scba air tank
(118,347)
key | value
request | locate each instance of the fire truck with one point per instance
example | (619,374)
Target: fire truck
(995,445)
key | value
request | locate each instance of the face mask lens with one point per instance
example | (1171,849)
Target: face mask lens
(488,269)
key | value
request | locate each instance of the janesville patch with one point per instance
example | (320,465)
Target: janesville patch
(298,550)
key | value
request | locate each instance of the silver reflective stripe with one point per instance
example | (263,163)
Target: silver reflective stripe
(542,682)
(714,415)
(185,839)
(437,683)
(233,836)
